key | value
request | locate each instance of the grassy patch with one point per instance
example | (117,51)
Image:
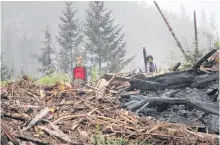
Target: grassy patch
(100,139)
(54,78)
(3,83)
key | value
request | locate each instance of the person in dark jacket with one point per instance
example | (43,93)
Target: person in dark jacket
(150,65)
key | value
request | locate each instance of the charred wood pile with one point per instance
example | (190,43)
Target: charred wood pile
(190,97)
(179,108)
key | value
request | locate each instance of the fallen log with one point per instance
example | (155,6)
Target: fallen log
(136,105)
(206,107)
(208,79)
(173,80)
(144,85)
(204,58)
(108,76)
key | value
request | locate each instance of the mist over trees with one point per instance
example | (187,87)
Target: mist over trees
(69,38)
(47,52)
(138,26)
(105,43)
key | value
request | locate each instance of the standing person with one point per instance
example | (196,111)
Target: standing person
(151,67)
(79,72)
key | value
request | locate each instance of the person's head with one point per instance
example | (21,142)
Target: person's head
(79,60)
(150,58)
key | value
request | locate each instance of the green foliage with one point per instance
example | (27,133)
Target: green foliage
(99,139)
(69,38)
(45,59)
(54,78)
(194,56)
(3,83)
(104,39)
(94,73)
(217,43)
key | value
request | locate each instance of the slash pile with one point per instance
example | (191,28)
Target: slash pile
(34,114)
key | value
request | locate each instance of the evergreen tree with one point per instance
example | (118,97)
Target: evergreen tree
(45,59)
(69,38)
(5,72)
(104,39)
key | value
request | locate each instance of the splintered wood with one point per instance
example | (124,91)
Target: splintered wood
(73,116)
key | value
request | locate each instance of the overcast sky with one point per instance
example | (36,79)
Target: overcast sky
(209,6)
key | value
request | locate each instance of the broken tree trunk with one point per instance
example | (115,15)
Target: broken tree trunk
(176,66)
(171,31)
(197,65)
(173,80)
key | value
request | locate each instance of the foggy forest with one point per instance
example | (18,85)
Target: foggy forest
(28,26)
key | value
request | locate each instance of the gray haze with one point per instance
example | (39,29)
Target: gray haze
(23,24)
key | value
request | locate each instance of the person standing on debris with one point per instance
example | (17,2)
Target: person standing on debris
(150,65)
(79,73)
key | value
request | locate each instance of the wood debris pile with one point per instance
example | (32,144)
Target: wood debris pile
(52,115)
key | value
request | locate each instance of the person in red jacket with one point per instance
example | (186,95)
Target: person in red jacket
(79,72)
